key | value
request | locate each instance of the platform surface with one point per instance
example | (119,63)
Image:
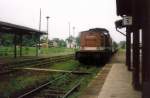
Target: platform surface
(114,81)
(118,84)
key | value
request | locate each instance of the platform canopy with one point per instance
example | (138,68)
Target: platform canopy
(20,31)
(13,28)
(124,7)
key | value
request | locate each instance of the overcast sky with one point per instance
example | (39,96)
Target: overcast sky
(82,14)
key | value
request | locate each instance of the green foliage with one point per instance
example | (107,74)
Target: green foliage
(115,45)
(31,51)
(69,65)
(70,39)
(43,39)
(6,40)
(122,44)
(60,42)
(27,79)
(78,41)
(19,83)
(29,40)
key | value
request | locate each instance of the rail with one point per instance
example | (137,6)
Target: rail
(5,67)
(53,70)
(40,87)
(72,89)
(53,91)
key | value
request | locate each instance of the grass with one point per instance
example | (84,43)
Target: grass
(72,64)
(31,51)
(122,51)
(15,83)
(85,81)
(18,82)
(69,65)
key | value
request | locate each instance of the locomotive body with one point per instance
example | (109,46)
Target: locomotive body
(95,46)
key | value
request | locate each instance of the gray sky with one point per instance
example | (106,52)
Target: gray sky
(83,14)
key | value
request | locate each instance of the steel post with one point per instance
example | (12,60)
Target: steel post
(128,49)
(21,38)
(136,59)
(15,43)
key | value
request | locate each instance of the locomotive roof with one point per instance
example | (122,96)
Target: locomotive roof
(99,30)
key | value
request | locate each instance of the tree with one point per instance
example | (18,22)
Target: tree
(62,43)
(78,41)
(29,40)
(122,44)
(6,39)
(115,45)
(43,39)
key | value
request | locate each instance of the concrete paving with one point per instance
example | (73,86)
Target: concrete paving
(93,89)
(118,84)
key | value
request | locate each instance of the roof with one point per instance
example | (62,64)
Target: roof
(6,27)
(99,30)
(124,7)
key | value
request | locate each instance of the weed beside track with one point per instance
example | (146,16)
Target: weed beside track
(24,80)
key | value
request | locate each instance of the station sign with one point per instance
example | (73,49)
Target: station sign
(127,20)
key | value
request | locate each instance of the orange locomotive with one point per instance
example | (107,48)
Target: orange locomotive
(95,46)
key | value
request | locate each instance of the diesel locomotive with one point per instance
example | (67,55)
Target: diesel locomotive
(95,46)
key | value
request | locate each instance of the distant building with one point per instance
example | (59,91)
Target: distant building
(43,45)
(53,43)
(71,43)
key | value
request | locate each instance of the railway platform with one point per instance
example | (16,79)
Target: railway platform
(114,81)
(118,84)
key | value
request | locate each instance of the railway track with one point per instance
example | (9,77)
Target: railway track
(57,87)
(40,62)
(60,87)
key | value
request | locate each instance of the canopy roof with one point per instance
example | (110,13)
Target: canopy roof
(124,7)
(13,28)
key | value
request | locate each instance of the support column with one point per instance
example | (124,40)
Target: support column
(37,44)
(39,41)
(15,44)
(146,62)
(128,48)
(21,45)
(136,59)
(146,50)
